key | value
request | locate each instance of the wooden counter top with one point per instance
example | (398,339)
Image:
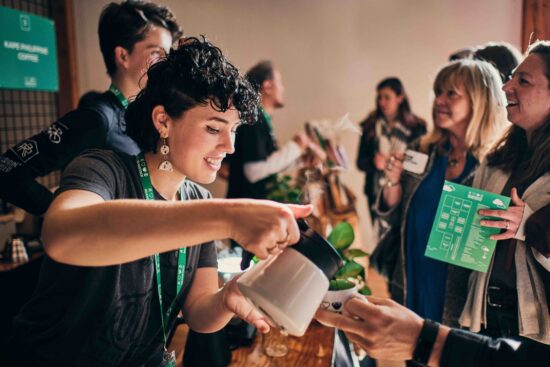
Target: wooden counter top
(314,349)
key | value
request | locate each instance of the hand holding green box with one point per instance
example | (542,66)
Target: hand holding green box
(457,236)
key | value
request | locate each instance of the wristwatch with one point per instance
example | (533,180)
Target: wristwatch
(425,343)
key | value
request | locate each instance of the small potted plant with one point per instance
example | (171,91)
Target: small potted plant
(351,278)
(282,189)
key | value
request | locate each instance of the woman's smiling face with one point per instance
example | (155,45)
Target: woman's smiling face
(452,109)
(200,139)
(528,94)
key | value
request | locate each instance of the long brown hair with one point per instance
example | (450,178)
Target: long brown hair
(404,113)
(513,152)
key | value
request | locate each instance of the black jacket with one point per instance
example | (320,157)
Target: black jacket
(98,124)
(466,349)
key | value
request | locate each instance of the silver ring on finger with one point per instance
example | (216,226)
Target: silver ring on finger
(507,225)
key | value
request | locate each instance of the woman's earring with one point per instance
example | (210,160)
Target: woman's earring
(165,165)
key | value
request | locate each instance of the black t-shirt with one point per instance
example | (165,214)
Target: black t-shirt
(109,315)
(253,143)
(98,124)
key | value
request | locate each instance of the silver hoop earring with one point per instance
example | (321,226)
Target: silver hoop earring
(165,165)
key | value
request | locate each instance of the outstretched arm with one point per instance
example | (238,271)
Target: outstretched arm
(387,330)
(80,228)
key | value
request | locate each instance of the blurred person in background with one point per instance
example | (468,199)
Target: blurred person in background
(258,158)
(464,53)
(132,36)
(501,55)
(390,128)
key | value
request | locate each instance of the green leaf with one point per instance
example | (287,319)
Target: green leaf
(340,284)
(365,291)
(349,270)
(342,236)
(294,196)
(354,253)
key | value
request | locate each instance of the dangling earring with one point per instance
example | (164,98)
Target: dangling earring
(165,165)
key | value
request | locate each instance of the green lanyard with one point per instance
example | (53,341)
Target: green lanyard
(267,119)
(118,94)
(147,187)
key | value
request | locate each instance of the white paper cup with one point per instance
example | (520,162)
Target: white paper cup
(334,300)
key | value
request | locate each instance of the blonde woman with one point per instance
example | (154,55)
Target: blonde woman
(469,115)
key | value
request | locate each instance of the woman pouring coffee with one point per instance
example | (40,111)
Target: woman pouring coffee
(128,246)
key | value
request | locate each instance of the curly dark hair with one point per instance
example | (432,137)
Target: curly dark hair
(127,23)
(196,73)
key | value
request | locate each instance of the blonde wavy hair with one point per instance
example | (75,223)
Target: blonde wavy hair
(483,87)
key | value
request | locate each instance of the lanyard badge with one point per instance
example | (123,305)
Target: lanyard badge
(118,94)
(168,358)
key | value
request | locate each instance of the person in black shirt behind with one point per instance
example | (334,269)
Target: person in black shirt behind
(132,34)
(104,296)
(258,158)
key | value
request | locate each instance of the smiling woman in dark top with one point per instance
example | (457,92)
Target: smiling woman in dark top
(512,298)
(105,297)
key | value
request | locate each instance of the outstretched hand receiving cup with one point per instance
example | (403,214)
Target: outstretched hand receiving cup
(385,329)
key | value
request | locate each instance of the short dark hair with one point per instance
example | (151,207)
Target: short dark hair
(502,55)
(463,53)
(196,73)
(126,23)
(259,73)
